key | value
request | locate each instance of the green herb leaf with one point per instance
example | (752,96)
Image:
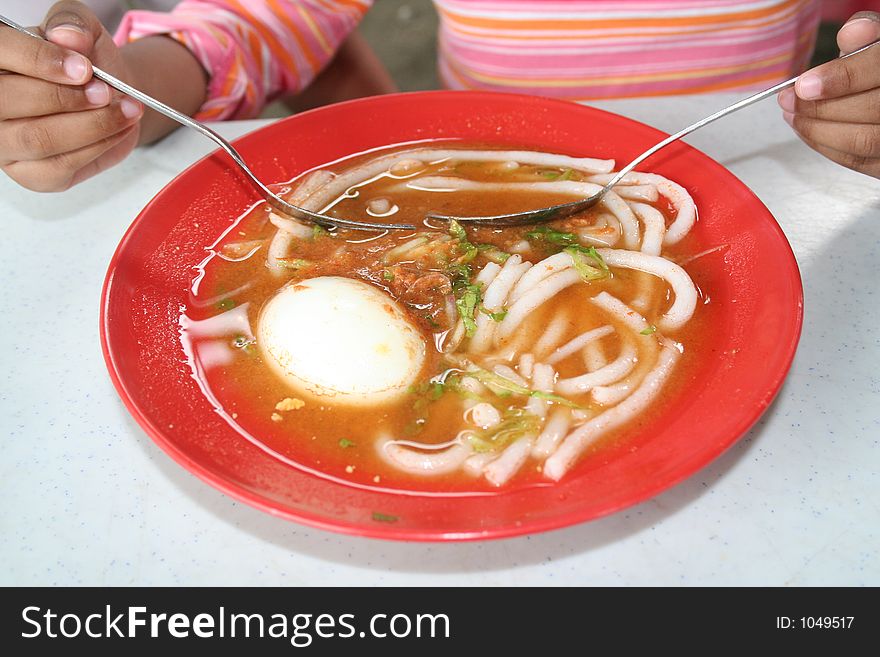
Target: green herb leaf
(318,231)
(345,443)
(648,331)
(384,517)
(388,275)
(467,303)
(460,275)
(551,236)
(225,304)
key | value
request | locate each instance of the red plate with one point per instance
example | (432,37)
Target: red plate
(754,285)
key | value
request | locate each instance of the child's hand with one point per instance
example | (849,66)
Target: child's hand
(58,126)
(835,108)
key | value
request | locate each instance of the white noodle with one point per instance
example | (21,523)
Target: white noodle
(291,226)
(579,343)
(422,462)
(483,415)
(647,193)
(615,393)
(399,252)
(499,471)
(497,293)
(552,334)
(290,229)
(487,275)
(526,365)
(543,378)
(493,300)
(475,388)
(231,322)
(655,227)
(614,371)
(594,356)
(611,201)
(581,438)
(629,225)
(538,273)
(475,463)
(685,293)
(553,433)
(685,210)
(510,375)
(534,298)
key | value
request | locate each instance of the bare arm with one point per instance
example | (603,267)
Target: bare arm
(166,70)
(58,125)
(354,72)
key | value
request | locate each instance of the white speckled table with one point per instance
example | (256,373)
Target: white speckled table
(87,498)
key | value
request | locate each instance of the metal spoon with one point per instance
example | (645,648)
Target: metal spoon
(568,209)
(271,197)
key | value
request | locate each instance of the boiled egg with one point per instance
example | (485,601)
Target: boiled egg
(341,339)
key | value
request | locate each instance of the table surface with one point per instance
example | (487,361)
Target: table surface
(88,498)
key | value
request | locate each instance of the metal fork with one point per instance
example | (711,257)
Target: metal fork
(568,209)
(271,197)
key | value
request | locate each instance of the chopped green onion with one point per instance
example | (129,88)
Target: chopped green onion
(547,234)
(241,341)
(457,231)
(436,391)
(515,424)
(384,517)
(497,383)
(433,323)
(226,304)
(558,175)
(648,331)
(579,257)
(493,253)
(469,251)
(495,317)
(388,275)
(594,254)
(318,231)
(345,443)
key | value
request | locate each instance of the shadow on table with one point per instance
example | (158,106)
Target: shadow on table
(452,557)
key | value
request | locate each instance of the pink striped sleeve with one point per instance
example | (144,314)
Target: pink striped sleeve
(253,51)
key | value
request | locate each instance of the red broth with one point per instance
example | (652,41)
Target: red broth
(339,441)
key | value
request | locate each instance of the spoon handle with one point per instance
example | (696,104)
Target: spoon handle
(745,102)
(273,199)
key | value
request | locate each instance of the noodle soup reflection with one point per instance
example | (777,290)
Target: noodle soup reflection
(453,357)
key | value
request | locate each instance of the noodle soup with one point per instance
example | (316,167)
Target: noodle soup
(451,357)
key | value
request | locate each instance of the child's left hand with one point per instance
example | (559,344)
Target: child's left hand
(835,107)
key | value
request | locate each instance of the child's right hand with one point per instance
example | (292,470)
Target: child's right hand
(58,125)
